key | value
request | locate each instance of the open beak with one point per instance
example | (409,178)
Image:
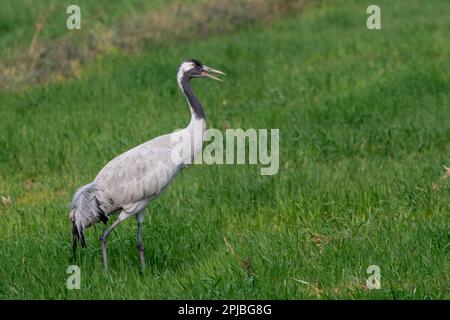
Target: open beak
(211,70)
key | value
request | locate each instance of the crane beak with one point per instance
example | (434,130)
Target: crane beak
(208,75)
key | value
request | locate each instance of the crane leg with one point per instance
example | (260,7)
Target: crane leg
(103,239)
(140,243)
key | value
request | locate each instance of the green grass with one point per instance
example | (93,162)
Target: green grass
(18,19)
(364,121)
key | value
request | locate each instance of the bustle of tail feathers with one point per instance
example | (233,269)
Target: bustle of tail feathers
(85,211)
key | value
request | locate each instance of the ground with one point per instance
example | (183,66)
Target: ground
(364,123)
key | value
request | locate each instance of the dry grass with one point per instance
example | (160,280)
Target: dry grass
(50,60)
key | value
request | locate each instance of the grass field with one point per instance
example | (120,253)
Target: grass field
(18,18)
(364,119)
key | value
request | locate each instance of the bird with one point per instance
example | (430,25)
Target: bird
(127,183)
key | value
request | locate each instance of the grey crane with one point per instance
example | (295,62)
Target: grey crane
(128,182)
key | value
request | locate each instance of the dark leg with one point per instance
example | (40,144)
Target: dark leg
(103,239)
(74,238)
(74,246)
(140,243)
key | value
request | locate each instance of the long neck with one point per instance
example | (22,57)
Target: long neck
(196,128)
(194,104)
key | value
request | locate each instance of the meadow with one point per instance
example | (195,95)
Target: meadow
(364,119)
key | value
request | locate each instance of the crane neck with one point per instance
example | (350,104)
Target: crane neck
(194,104)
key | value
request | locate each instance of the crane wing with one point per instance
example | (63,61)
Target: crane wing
(140,173)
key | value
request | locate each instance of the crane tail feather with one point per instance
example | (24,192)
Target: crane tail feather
(85,211)
(74,238)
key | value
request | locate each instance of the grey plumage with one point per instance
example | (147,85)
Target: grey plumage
(128,182)
(125,183)
(85,211)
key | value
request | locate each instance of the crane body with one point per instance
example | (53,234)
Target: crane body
(128,182)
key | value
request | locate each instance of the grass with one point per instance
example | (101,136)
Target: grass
(18,18)
(49,59)
(364,122)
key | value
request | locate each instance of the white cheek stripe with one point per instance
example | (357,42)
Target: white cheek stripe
(185,66)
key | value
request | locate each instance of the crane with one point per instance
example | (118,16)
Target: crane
(128,182)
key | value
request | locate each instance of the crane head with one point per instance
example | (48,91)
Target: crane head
(195,69)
